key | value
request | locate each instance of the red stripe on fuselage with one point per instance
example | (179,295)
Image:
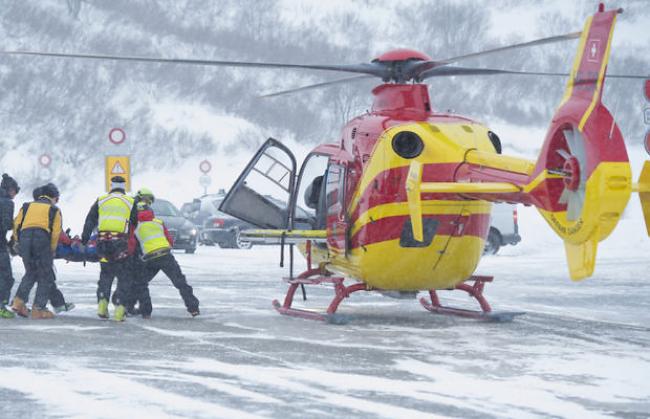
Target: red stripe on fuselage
(390,186)
(390,228)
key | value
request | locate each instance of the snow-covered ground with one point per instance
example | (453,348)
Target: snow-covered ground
(582,349)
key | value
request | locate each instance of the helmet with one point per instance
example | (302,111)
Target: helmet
(145,195)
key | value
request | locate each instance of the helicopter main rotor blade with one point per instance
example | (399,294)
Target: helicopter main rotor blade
(419,68)
(536,42)
(318,85)
(364,68)
(467,71)
(448,71)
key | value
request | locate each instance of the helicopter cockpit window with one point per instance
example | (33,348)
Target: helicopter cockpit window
(310,200)
(263,196)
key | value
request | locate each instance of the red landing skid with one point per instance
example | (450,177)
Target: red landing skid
(316,277)
(475,291)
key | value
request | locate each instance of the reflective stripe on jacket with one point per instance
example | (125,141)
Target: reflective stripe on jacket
(114,211)
(151,236)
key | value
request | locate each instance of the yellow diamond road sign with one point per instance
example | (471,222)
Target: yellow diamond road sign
(118,166)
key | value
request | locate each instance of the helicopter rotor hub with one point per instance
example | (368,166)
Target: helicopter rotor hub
(572,170)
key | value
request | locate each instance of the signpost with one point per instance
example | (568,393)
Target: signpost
(44,170)
(45,160)
(205,180)
(117,136)
(117,165)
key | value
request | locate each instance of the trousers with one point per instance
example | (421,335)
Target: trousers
(120,269)
(34,248)
(6,277)
(170,267)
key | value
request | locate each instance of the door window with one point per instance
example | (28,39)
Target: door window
(334,189)
(310,200)
(263,191)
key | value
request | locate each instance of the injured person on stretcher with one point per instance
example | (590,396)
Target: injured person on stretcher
(72,250)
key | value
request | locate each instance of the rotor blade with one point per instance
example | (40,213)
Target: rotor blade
(576,202)
(364,68)
(565,155)
(541,41)
(576,143)
(564,197)
(318,85)
(574,206)
(468,71)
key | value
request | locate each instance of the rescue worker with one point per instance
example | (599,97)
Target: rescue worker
(36,229)
(8,190)
(56,296)
(113,215)
(142,199)
(155,245)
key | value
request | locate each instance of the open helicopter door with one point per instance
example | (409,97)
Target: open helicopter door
(263,192)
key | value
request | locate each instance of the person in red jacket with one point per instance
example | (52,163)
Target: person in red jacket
(155,245)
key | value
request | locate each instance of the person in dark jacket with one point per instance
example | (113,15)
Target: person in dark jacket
(57,300)
(8,190)
(36,229)
(113,215)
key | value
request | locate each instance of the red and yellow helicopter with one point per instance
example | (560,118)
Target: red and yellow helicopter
(402,202)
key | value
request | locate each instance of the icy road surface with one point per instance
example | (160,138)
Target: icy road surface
(582,349)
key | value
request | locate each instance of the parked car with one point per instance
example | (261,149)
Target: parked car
(216,228)
(183,231)
(504,228)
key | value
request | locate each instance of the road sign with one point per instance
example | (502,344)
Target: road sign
(647,89)
(646,116)
(205,181)
(205,166)
(117,136)
(45,160)
(118,166)
(646,142)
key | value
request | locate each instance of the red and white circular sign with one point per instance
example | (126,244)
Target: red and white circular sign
(647,89)
(205,166)
(45,160)
(117,136)
(646,142)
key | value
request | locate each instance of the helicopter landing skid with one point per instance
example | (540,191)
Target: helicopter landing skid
(476,291)
(315,277)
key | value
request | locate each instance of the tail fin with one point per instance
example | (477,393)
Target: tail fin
(582,180)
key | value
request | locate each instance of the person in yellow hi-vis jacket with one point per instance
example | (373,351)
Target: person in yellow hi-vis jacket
(36,230)
(113,215)
(156,248)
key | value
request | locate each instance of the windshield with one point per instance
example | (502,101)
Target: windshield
(164,208)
